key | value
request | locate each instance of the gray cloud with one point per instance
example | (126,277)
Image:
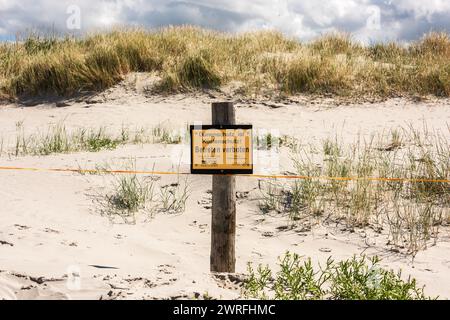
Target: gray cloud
(185,12)
(403,20)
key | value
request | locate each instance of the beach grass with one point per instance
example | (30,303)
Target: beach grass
(339,187)
(57,138)
(133,195)
(189,58)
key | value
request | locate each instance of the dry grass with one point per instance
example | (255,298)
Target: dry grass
(189,58)
(410,213)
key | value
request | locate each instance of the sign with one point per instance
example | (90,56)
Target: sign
(221,149)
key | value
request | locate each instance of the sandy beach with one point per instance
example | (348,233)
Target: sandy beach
(55,243)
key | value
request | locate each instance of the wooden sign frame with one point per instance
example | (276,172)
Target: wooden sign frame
(221,171)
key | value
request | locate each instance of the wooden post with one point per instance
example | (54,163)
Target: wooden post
(223,225)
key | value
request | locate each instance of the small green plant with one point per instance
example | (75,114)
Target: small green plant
(163,135)
(331,148)
(131,194)
(396,139)
(95,141)
(267,141)
(271,195)
(173,197)
(353,279)
(21,145)
(290,142)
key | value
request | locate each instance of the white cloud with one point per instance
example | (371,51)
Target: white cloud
(423,9)
(399,20)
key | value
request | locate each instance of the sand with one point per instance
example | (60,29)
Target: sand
(55,244)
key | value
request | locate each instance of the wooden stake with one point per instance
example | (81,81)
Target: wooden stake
(223,225)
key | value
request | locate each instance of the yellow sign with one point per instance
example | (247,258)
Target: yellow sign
(221,149)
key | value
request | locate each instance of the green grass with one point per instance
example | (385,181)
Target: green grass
(173,197)
(353,279)
(190,58)
(58,139)
(131,195)
(163,135)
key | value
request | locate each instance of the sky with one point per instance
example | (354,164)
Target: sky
(367,20)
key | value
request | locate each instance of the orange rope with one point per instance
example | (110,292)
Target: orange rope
(244,175)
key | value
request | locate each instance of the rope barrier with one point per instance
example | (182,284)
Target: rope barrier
(262,176)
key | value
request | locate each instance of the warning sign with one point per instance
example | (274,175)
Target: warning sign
(223,149)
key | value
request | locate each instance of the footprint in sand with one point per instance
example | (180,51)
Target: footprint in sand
(21,227)
(48,230)
(284,228)
(164,268)
(69,243)
(6,243)
(206,201)
(268,234)
(140,281)
(257,253)
(229,281)
(206,204)
(193,223)
(242,194)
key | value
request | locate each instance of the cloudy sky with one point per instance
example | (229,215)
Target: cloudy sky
(367,20)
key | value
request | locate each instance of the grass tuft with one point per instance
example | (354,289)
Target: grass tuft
(131,195)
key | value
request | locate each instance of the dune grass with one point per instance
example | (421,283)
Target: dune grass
(132,195)
(190,58)
(409,213)
(57,138)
